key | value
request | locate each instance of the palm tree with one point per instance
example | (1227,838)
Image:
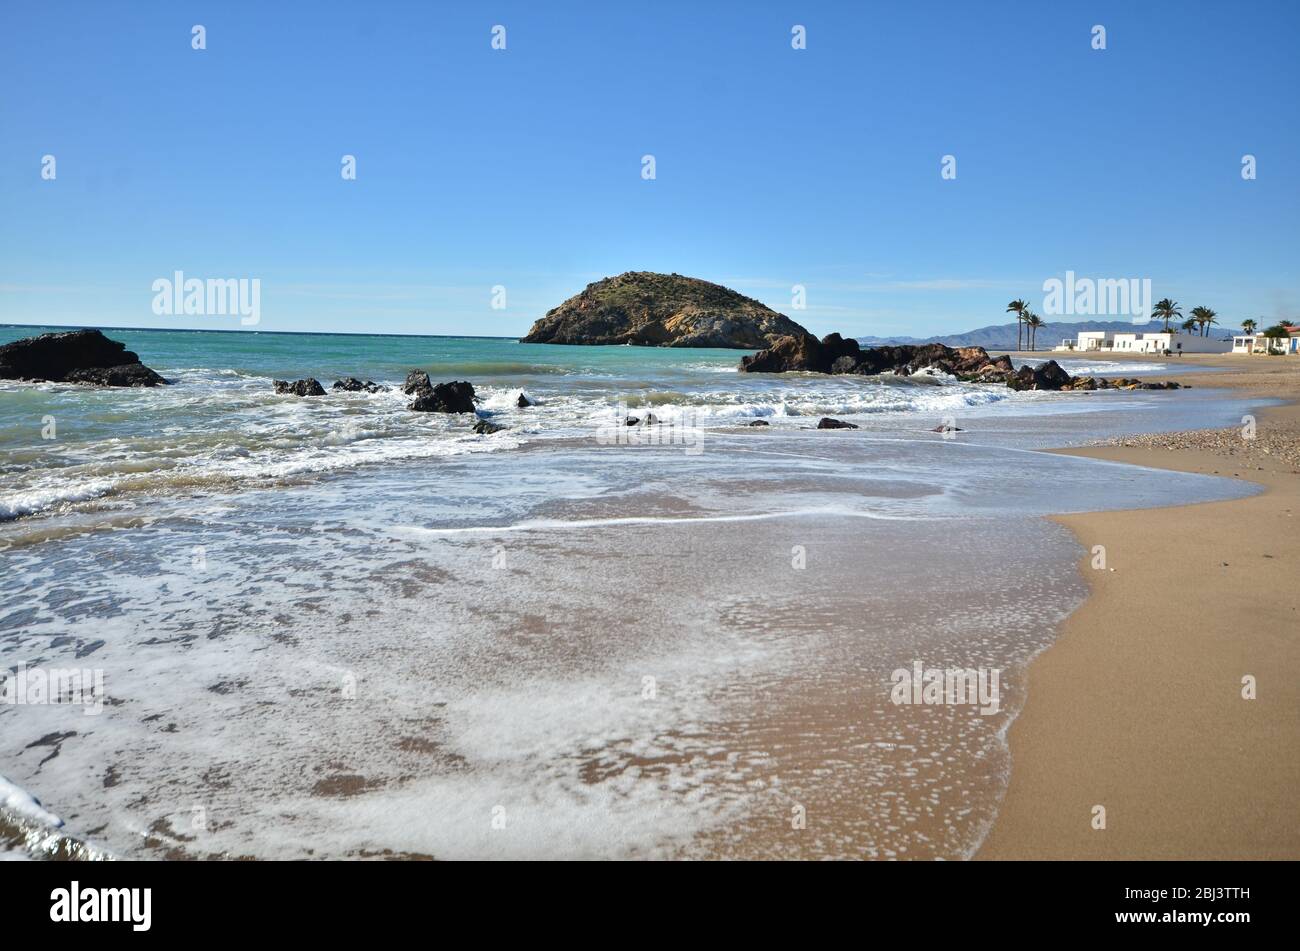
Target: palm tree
(1033,322)
(1197,321)
(1019,307)
(1202,317)
(1208,320)
(1189,324)
(1166,310)
(1249,326)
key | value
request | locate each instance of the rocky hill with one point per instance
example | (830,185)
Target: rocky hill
(662,310)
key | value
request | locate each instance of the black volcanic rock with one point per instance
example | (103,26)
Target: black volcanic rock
(827,423)
(662,310)
(523,402)
(352,385)
(129,374)
(417,381)
(308,387)
(454,397)
(485,428)
(75,356)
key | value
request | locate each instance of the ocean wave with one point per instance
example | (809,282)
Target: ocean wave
(219,428)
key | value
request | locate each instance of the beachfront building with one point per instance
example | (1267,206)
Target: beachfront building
(1105,341)
(1258,343)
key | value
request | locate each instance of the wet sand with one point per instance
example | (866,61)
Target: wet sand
(1138,704)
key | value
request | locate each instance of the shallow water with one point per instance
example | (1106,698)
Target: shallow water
(335,628)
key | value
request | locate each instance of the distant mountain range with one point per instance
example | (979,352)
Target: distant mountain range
(1003,336)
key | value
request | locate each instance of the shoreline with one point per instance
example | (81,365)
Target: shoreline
(1137,705)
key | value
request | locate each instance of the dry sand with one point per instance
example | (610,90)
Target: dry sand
(1138,705)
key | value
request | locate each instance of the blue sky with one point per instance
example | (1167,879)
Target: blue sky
(522,167)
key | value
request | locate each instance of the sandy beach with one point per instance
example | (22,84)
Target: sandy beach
(1138,706)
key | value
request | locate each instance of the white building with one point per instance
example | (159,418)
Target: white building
(1105,341)
(1258,343)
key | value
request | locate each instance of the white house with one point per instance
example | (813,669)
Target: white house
(1098,341)
(1258,343)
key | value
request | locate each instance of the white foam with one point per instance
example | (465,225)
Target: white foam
(22,803)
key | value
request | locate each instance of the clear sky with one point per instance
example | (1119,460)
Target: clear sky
(478,167)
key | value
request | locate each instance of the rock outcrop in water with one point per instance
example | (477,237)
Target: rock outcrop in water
(352,385)
(1048,376)
(836,354)
(308,387)
(75,356)
(454,397)
(662,310)
(417,381)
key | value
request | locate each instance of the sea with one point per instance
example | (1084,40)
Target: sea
(331,627)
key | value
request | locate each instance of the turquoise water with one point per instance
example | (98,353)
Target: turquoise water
(220,423)
(489,360)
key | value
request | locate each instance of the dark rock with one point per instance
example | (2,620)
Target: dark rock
(308,387)
(947,429)
(523,402)
(631,421)
(129,374)
(75,356)
(662,310)
(417,381)
(1049,376)
(352,385)
(454,397)
(827,423)
(650,419)
(758,422)
(485,428)
(804,352)
(835,354)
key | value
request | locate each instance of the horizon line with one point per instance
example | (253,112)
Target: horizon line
(245,330)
